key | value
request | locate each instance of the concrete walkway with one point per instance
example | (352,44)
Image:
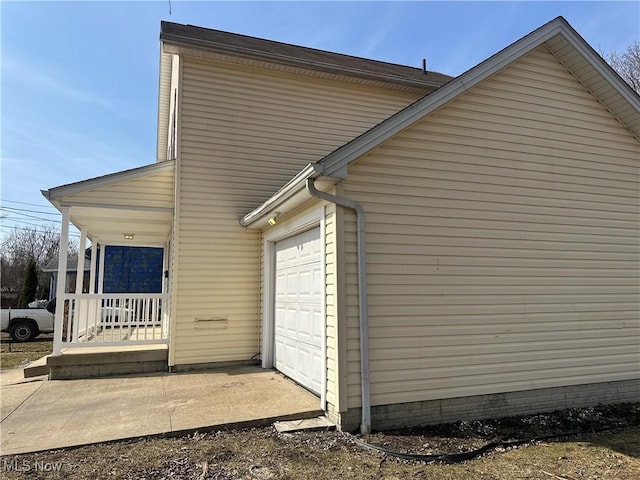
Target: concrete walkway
(39,414)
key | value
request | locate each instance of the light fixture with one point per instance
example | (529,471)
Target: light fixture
(128,236)
(273,219)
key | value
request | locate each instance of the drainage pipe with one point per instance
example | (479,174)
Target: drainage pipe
(365,425)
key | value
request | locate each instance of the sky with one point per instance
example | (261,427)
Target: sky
(79,80)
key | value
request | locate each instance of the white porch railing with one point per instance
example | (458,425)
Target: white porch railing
(114,319)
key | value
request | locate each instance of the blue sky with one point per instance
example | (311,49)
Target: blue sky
(79,80)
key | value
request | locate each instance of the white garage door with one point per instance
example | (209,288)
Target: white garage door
(298,309)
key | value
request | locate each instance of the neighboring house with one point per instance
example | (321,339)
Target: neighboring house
(71,274)
(475,252)
(127,269)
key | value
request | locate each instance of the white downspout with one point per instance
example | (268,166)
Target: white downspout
(365,425)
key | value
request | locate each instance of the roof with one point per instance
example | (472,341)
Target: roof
(139,201)
(122,176)
(72,263)
(294,55)
(562,40)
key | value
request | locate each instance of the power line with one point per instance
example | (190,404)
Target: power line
(20,220)
(14,227)
(25,203)
(28,216)
(26,210)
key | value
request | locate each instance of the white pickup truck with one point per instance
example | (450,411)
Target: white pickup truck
(25,324)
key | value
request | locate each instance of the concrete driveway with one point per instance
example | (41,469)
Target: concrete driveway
(40,414)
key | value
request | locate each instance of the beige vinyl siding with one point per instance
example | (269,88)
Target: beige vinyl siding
(331,314)
(164,88)
(502,242)
(172,131)
(336,308)
(243,134)
(335,363)
(152,191)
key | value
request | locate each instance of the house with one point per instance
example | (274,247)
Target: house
(71,274)
(412,248)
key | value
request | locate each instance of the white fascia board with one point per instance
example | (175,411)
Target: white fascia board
(185,46)
(361,145)
(602,67)
(57,193)
(292,187)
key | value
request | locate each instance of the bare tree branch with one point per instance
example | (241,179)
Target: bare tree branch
(41,244)
(627,64)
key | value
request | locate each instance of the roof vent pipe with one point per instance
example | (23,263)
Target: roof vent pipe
(424,65)
(365,425)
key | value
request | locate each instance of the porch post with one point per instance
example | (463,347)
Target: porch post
(165,267)
(62,277)
(92,273)
(101,269)
(80,269)
(52,286)
(166,305)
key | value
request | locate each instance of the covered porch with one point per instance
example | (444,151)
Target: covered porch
(132,208)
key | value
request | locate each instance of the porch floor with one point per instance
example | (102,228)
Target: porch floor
(112,349)
(47,414)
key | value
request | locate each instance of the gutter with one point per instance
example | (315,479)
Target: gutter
(305,179)
(365,425)
(177,40)
(294,185)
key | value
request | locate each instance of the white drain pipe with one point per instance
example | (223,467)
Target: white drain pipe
(365,425)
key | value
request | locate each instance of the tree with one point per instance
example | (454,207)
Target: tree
(17,248)
(627,64)
(29,284)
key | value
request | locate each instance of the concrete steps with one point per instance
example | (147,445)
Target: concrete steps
(304,424)
(37,368)
(101,362)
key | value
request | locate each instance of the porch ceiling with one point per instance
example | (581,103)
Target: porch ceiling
(108,225)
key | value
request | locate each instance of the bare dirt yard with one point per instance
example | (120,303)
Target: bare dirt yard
(576,444)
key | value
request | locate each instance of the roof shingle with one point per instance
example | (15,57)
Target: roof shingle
(284,53)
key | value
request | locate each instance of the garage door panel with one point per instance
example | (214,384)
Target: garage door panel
(318,331)
(286,358)
(298,309)
(281,284)
(300,324)
(299,249)
(304,325)
(300,362)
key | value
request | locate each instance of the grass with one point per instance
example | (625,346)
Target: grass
(14,355)
(261,453)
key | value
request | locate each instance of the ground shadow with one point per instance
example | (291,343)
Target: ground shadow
(626,442)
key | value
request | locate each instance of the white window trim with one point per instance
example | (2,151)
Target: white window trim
(282,231)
